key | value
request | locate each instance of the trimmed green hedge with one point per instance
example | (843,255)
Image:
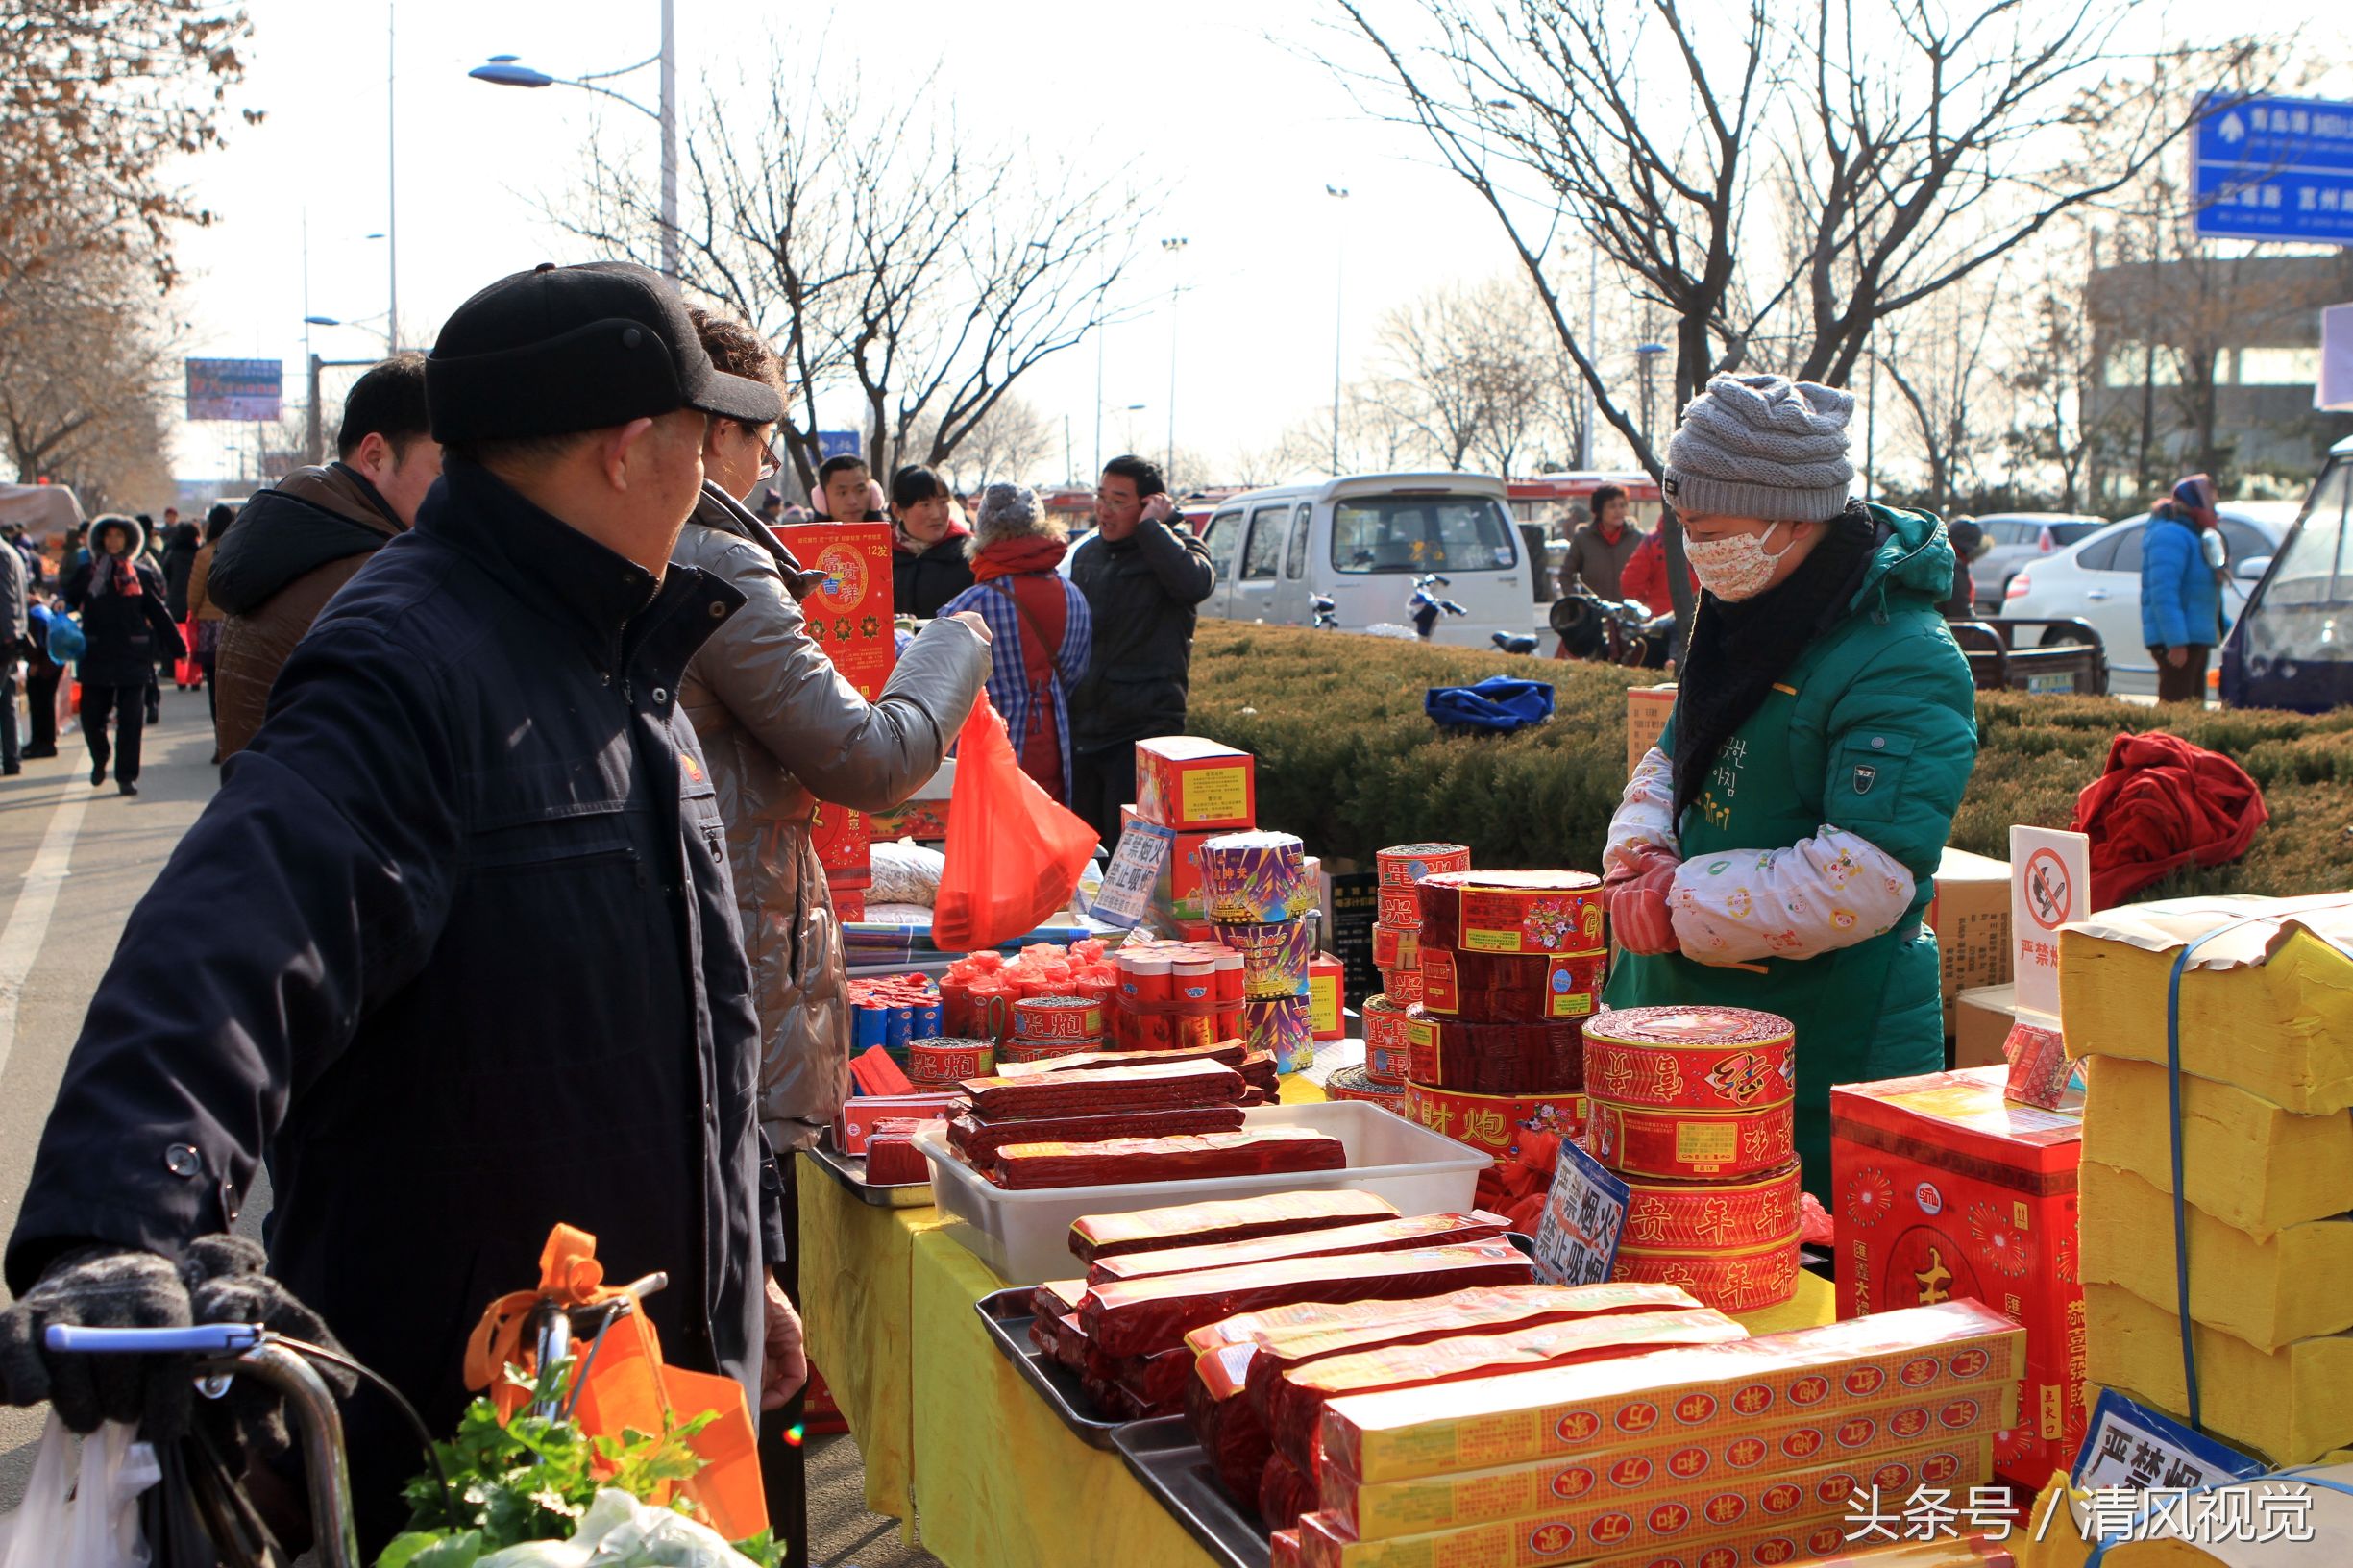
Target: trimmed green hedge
(1348,760)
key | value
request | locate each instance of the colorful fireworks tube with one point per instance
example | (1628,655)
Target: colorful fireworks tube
(1712,1059)
(1512,987)
(1403,865)
(1253,877)
(1275,956)
(1280,1027)
(1497,1058)
(1511,912)
(1731,1280)
(1693,1146)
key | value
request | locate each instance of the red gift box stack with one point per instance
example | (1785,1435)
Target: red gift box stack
(1694,1107)
(848,613)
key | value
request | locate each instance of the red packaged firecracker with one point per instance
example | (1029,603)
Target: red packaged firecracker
(1511,912)
(1732,1279)
(1231,1053)
(1094,1091)
(1398,906)
(978,1140)
(943,1061)
(1054,1020)
(1397,947)
(1517,1059)
(892,1158)
(1221,1219)
(1496,1124)
(1194,785)
(1697,1146)
(1254,1151)
(1696,1217)
(1404,987)
(1512,987)
(1941,1187)
(1138,1316)
(1285,1491)
(1396,1234)
(1356,1082)
(1708,1059)
(1405,864)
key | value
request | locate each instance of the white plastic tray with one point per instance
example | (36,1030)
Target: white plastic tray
(1025,1237)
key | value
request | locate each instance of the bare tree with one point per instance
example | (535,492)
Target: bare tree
(1643,125)
(1471,369)
(889,257)
(1013,441)
(2054,371)
(1936,362)
(84,378)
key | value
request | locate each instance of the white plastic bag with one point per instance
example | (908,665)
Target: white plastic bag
(87,1519)
(619,1531)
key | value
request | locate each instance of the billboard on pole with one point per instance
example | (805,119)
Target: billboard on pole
(239,389)
(2275,168)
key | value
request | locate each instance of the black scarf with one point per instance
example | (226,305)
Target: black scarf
(1740,648)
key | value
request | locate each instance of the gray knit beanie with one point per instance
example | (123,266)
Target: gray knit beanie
(1008,511)
(1762,445)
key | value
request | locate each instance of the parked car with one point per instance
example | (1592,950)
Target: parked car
(1361,541)
(2292,646)
(2100,580)
(2018,539)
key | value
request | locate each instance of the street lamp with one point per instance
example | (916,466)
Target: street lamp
(1647,354)
(1173,248)
(1339,270)
(508,71)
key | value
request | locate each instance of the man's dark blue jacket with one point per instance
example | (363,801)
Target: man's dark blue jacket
(455,948)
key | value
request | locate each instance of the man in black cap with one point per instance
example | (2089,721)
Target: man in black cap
(470,966)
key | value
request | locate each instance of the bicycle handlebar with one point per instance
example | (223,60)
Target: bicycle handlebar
(201,1339)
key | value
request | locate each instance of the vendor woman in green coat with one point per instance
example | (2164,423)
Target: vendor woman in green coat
(1778,847)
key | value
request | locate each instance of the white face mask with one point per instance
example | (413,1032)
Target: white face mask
(1737,566)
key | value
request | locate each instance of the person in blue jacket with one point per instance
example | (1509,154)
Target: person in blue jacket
(2181,594)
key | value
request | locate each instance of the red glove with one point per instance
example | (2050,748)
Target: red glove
(1638,899)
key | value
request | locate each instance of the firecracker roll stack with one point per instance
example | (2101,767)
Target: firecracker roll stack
(1170,995)
(1694,1107)
(1397,929)
(1508,966)
(1262,904)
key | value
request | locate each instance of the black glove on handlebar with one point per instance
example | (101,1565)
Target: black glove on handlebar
(100,1287)
(226,1284)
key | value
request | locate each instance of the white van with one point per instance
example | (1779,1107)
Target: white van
(1363,540)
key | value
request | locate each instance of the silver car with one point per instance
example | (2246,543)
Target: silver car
(2018,540)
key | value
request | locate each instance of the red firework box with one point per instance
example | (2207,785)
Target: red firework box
(1511,912)
(844,844)
(1044,1020)
(860,1113)
(1356,1082)
(1800,1501)
(1728,1279)
(1495,1058)
(847,614)
(1692,1146)
(1512,987)
(1917,1354)
(1493,1123)
(1388,1046)
(1706,1059)
(1194,785)
(1777,1442)
(1326,998)
(1944,1190)
(1397,946)
(1733,1245)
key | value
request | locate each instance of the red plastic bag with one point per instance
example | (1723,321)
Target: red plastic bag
(1013,853)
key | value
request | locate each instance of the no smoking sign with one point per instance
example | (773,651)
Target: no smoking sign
(2050,874)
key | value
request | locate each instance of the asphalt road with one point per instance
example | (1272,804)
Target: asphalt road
(73,862)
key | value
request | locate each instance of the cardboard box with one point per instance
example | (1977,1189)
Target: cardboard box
(1944,1190)
(2247,1161)
(1648,708)
(1970,914)
(1596,1408)
(2291,1406)
(1194,785)
(2294,1283)
(860,1112)
(1778,1445)
(1981,1019)
(844,843)
(848,611)
(2266,1005)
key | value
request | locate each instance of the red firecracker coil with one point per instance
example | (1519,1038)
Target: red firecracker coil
(1732,1279)
(949,1060)
(1389,1065)
(1396,946)
(1705,1216)
(1494,1123)
(1017,1051)
(1402,865)
(1712,1059)
(1497,1058)
(1399,908)
(1644,1140)
(1353,1082)
(1385,1021)
(1403,987)
(1039,1021)
(1511,912)
(1513,988)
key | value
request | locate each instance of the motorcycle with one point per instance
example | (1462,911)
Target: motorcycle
(1612,632)
(1425,605)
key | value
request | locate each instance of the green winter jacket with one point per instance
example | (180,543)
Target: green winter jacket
(1872,731)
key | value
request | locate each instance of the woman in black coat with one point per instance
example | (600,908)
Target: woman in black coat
(928,567)
(128,626)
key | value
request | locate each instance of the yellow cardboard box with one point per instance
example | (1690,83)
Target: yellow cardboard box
(1648,708)
(2291,1406)
(2298,1284)
(1981,1019)
(2247,1161)
(2266,1004)
(1971,917)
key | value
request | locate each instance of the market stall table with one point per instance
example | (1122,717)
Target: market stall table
(956,1445)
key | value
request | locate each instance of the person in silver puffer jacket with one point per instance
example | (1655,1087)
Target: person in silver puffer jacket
(782,730)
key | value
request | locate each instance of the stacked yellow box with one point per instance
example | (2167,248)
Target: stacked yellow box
(2266,1105)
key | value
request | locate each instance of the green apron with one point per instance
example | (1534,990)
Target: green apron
(1862,1013)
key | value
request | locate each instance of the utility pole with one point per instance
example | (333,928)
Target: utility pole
(1593,333)
(1339,277)
(1173,248)
(392,185)
(670,141)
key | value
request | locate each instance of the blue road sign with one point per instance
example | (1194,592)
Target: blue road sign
(2276,168)
(837,444)
(240,389)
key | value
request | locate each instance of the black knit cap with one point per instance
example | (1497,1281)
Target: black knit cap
(562,349)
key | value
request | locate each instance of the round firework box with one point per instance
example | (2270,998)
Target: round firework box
(1694,1146)
(1275,956)
(1512,987)
(1735,1279)
(1495,1058)
(1493,1123)
(1388,1045)
(1396,947)
(1039,1021)
(1511,912)
(1397,907)
(944,1060)
(1254,877)
(1708,1217)
(1714,1058)
(1403,865)
(1353,1082)
(1280,1027)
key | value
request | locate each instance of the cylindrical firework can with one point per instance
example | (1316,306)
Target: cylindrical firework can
(1511,912)
(1691,1057)
(1512,987)
(1403,865)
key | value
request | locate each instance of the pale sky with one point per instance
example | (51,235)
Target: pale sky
(1240,134)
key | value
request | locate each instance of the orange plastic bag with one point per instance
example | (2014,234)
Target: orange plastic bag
(628,1386)
(1014,852)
